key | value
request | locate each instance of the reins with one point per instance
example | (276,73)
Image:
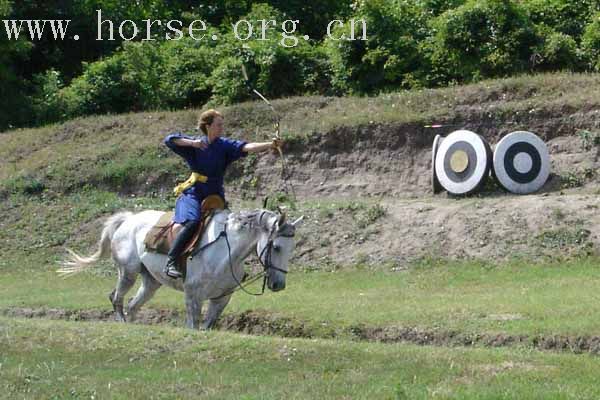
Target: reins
(263,274)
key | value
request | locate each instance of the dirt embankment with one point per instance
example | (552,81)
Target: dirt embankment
(350,172)
(365,189)
(395,159)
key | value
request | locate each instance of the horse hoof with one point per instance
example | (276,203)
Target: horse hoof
(120,318)
(111,296)
(130,316)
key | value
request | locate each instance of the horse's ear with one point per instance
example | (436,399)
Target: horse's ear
(282,216)
(281,220)
(298,222)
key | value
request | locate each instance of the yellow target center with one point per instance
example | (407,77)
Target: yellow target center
(459,161)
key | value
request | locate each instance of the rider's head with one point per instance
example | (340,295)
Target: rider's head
(210,123)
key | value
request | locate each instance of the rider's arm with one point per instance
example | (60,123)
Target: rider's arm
(262,146)
(182,144)
(188,142)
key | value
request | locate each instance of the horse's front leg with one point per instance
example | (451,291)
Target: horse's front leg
(215,308)
(193,305)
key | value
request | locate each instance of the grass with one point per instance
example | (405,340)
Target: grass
(515,299)
(511,298)
(37,228)
(57,181)
(54,359)
(575,179)
(589,139)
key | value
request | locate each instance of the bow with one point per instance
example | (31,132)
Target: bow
(277,128)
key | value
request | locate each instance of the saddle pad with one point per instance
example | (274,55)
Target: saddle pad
(156,239)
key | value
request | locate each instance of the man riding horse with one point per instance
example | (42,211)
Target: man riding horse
(208,157)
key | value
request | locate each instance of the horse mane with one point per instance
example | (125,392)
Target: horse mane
(251,219)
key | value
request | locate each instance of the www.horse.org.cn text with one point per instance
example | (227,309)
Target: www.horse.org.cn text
(152,30)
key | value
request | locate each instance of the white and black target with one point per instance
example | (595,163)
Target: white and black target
(521,162)
(435,183)
(463,161)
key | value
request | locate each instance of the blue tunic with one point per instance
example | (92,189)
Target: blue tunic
(210,162)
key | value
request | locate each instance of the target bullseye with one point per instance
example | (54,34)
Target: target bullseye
(521,162)
(459,161)
(462,162)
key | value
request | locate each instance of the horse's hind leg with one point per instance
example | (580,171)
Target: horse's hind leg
(125,282)
(145,292)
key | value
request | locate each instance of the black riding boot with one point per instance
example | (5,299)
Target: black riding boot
(183,237)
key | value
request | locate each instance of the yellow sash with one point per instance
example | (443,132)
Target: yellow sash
(191,181)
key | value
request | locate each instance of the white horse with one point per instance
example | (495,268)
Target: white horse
(213,273)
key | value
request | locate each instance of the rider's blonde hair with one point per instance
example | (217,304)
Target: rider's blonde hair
(207,118)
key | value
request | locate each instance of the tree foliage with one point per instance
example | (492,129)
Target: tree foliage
(418,43)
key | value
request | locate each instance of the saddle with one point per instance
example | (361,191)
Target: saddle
(162,235)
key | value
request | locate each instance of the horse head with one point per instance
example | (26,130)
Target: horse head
(275,247)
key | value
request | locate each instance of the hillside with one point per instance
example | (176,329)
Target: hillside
(360,170)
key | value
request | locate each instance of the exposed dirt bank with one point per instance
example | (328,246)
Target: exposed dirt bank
(264,323)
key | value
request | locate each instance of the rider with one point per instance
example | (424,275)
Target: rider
(207,156)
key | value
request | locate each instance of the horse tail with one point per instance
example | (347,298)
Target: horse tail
(78,263)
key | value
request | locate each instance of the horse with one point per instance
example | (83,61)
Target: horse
(214,271)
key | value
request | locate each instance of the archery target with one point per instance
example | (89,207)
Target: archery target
(521,162)
(435,183)
(462,162)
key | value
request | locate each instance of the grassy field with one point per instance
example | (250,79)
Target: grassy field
(65,360)
(512,299)
(58,181)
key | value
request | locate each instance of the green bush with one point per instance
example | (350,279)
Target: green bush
(14,105)
(569,17)
(591,43)
(389,57)
(481,39)
(437,7)
(47,103)
(313,15)
(187,66)
(556,51)
(100,89)
(409,44)
(142,75)
(186,72)
(273,69)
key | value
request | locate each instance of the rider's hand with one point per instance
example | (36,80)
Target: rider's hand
(199,144)
(276,143)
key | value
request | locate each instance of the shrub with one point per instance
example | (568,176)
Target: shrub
(47,102)
(481,39)
(556,51)
(569,17)
(186,69)
(389,57)
(273,69)
(100,89)
(14,54)
(591,43)
(437,7)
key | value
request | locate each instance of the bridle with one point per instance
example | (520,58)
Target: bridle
(267,265)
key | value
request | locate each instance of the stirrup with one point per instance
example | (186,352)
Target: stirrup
(171,270)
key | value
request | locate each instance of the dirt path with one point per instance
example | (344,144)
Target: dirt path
(258,322)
